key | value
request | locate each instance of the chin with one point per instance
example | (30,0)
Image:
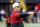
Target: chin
(18,11)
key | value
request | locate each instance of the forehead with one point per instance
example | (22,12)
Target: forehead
(19,6)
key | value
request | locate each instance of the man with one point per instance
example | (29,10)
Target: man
(16,16)
(3,19)
(37,10)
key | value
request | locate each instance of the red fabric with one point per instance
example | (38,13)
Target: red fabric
(7,16)
(8,21)
(38,5)
(14,18)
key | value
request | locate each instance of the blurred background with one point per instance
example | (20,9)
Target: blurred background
(27,5)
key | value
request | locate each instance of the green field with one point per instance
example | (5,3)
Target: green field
(31,25)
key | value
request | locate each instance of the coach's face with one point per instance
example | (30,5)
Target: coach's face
(18,8)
